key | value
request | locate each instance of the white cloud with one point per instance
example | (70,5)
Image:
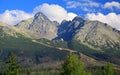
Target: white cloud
(70,16)
(111,19)
(82,3)
(112,4)
(54,12)
(73,4)
(14,16)
(95,4)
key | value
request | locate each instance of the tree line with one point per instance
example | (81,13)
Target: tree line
(71,66)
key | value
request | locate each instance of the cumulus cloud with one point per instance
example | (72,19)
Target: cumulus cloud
(70,16)
(112,4)
(54,12)
(14,16)
(111,19)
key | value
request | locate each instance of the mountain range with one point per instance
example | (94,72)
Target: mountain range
(39,37)
(93,33)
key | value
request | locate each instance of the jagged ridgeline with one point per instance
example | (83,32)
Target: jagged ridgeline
(39,26)
(93,38)
(93,33)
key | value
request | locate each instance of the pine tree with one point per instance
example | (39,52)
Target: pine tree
(12,66)
(108,69)
(72,66)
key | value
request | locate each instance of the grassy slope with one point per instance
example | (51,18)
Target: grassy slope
(22,45)
(27,51)
(111,55)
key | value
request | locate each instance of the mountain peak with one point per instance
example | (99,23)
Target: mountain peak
(40,16)
(78,18)
(43,27)
(39,13)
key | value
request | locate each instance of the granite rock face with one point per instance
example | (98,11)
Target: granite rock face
(39,26)
(90,33)
(98,34)
(43,26)
(67,29)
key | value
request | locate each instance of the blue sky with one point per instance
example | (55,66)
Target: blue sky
(12,12)
(25,5)
(29,5)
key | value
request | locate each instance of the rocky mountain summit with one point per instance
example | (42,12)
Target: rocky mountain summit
(98,34)
(91,33)
(43,26)
(67,29)
(94,38)
(39,26)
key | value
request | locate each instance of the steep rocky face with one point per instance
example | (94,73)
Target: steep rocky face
(90,33)
(98,34)
(43,26)
(39,26)
(67,29)
(23,26)
(94,34)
